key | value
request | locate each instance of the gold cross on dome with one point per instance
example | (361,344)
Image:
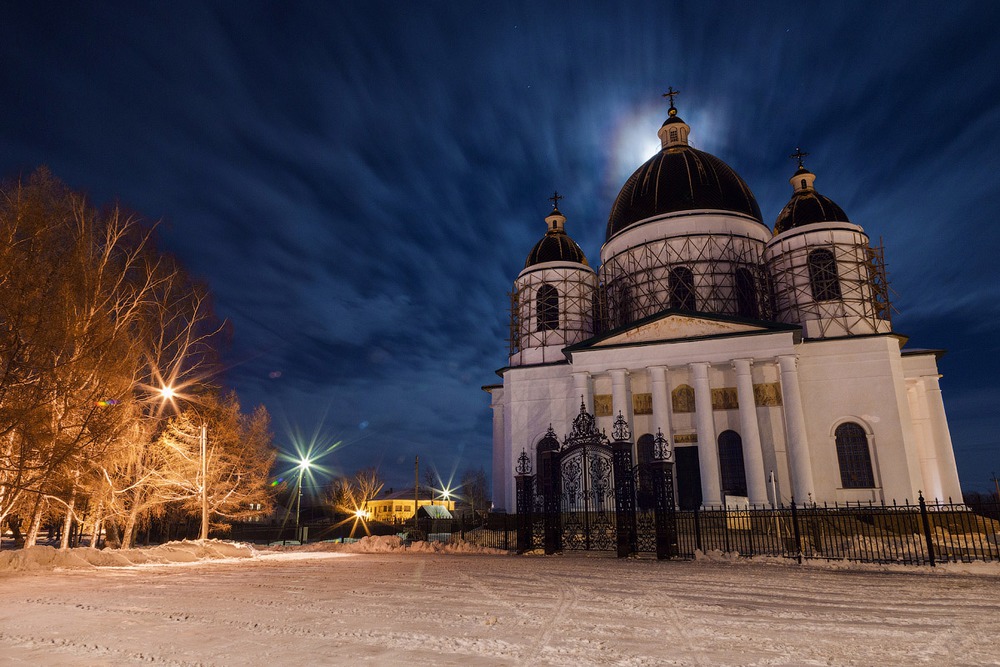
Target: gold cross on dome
(671,93)
(798,155)
(555,200)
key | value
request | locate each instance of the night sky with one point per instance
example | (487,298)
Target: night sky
(359,183)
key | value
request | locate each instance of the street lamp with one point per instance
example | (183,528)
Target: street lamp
(168,393)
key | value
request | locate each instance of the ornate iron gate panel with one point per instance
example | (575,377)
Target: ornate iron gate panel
(588,498)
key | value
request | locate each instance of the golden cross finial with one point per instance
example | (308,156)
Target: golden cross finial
(555,200)
(671,93)
(798,155)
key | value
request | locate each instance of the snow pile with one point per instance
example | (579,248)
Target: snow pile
(41,558)
(379,544)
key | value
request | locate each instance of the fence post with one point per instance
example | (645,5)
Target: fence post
(666,519)
(525,492)
(697,531)
(927,528)
(798,536)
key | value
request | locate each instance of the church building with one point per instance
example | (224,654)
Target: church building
(765,357)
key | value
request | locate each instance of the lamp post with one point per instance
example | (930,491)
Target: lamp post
(168,393)
(303,466)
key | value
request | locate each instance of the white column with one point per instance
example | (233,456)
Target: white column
(582,387)
(501,470)
(947,468)
(800,463)
(930,472)
(708,449)
(753,454)
(620,396)
(661,401)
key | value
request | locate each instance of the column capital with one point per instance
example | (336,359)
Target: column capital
(581,374)
(618,373)
(742,366)
(787,362)
(699,368)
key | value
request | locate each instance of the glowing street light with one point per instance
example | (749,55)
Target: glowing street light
(168,393)
(302,466)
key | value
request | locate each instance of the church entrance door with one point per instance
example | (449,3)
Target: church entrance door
(688,478)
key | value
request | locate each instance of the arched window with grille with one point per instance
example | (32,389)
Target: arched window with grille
(854,457)
(746,294)
(823,278)
(681,283)
(734,476)
(625,306)
(547,308)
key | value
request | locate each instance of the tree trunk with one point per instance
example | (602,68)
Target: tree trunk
(36,525)
(128,533)
(15,528)
(113,537)
(95,535)
(67,529)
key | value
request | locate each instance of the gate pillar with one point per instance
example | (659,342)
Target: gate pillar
(547,481)
(621,457)
(663,498)
(525,502)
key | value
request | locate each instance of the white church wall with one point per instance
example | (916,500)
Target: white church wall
(859,379)
(538,396)
(930,420)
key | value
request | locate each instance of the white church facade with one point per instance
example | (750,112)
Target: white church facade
(766,358)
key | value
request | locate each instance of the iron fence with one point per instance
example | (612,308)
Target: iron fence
(921,534)
(912,534)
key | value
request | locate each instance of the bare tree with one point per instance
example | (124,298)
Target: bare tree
(475,489)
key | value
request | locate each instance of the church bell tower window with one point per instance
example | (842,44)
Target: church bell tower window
(823,278)
(547,308)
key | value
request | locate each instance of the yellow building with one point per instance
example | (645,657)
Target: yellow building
(399,506)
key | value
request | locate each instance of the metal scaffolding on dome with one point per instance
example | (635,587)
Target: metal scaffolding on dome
(574,312)
(863,285)
(637,283)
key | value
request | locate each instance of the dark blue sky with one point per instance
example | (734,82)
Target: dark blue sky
(359,183)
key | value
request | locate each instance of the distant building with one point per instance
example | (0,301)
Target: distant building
(752,351)
(398,506)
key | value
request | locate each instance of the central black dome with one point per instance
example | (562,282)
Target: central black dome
(680,178)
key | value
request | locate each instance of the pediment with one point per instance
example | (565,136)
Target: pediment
(677,326)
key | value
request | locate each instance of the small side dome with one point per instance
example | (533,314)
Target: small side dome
(806,205)
(556,245)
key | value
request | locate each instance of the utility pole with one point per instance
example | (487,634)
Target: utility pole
(416,488)
(996,483)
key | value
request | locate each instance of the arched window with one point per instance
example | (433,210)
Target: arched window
(682,398)
(547,308)
(734,476)
(854,458)
(746,294)
(823,278)
(626,305)
(673,135)
(681,282)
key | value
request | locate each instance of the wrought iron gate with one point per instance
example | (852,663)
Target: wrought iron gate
(587,502)
(585,490)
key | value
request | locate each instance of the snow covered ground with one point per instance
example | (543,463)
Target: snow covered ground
(380,605)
